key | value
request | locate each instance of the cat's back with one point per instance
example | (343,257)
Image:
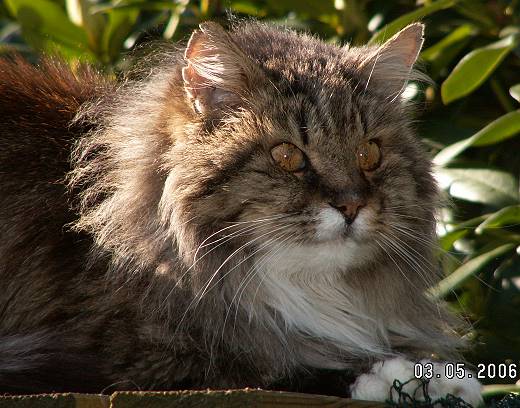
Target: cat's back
(41,258)
(37,134)
(37,106)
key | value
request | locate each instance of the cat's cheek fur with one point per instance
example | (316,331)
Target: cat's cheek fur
(377,384)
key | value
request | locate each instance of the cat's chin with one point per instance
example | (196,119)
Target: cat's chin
(318,258)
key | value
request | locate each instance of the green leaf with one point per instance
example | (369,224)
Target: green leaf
(448,239)
(7,30)
(460,231)
(441,54)
(480,185)
(478,12)
(47,27)
(309,8)
(497,131)
(174,20)
(494,390)
(507,216)
(474,68)
(467,270)
(514,91)
(248,7)
(80,13)
(436,51)
(138,5)
(399,23)
(120,23)
(76,10)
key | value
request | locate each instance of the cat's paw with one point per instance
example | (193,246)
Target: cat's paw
(377,384)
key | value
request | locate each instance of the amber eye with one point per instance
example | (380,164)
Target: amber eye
(288,157)
(369,156)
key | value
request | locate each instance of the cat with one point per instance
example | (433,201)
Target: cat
(250,209)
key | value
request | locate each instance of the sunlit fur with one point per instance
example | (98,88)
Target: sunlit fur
(225,269)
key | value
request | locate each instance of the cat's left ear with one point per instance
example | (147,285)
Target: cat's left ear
(389,66)
(217,75)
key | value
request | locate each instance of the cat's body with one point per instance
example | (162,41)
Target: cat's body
(173,252)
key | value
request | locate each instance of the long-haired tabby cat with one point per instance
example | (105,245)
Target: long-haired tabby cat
(255,211)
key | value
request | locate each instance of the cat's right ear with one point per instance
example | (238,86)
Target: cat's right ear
(217,73)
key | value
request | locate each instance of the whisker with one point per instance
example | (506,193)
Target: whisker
(261,247)
(250,275)
(429,242)
(238,223)
(395,263)
(238,250)
(261,261)
(233,234)
(198,297)
(274,217)
(405,216)
(404,206)
(196,261)
(409,259)
(280,247)
(428,261)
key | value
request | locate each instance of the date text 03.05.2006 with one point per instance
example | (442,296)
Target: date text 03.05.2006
(429,370)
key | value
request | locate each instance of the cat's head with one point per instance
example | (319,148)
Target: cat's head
(295,143)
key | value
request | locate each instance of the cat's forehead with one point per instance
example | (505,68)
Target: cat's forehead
(331,121)
(316,84)
(299,59)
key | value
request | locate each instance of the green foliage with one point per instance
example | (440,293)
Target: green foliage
(475,68)
(399,23)
(470,119)
(503,128)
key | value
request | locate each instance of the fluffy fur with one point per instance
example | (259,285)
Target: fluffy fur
(172,252)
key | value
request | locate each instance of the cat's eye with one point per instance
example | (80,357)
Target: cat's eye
(369,156)
(288,157)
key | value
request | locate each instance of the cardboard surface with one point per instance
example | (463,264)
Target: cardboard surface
(245,398)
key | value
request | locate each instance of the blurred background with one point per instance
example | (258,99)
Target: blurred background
(469,118)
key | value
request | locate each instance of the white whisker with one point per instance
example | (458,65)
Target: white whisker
(197,260)
(251,273)
(395,263)
(200,294)
(411,262)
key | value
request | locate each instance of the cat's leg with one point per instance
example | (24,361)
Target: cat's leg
(377,384)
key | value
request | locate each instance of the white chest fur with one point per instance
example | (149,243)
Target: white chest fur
(303,285)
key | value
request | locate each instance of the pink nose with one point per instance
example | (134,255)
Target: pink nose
(349,209)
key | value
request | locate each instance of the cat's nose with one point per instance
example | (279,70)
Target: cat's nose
(349,208)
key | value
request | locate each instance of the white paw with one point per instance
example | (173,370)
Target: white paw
(377,384)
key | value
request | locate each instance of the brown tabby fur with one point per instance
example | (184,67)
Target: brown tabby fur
(108,189)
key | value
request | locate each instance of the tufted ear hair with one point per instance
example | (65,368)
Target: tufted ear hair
(217,73)
(389,66)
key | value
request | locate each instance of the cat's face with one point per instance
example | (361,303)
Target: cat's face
(315,162)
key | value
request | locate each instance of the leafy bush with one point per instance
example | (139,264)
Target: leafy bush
(470,120)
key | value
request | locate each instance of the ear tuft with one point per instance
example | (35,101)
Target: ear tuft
(216,71)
